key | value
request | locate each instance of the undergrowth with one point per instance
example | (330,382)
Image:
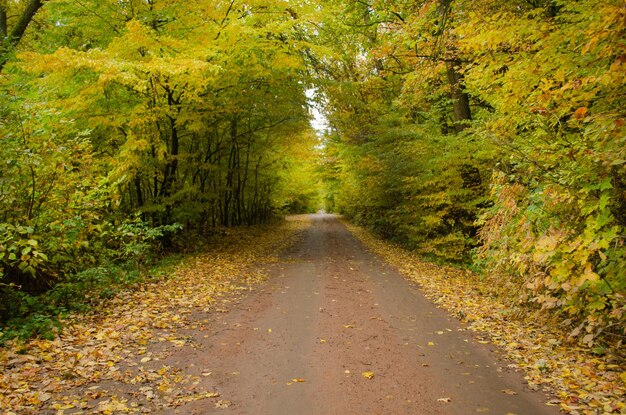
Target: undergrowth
(27,315)
(586,380)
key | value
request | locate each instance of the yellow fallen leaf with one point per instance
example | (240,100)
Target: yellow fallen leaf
(163,388)
(431,343)
(348,326)
(61,406)
(444,400)
(367,375)
(145,359)
(298,380)
(222,404)
(113,406)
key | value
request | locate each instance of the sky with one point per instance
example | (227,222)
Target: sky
(319,121)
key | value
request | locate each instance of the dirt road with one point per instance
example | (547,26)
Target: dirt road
(330,313)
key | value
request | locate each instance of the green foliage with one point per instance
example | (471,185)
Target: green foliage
(435,102)
(459,128)
(124,122)
(26,315)
(397,162)
(557,225)
(134,238)
(19,252)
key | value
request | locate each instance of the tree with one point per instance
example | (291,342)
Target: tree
(10,35)
(191,114)
(433,102)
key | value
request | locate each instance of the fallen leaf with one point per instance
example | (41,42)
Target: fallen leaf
(113,406)
(297,380)
(444,400)
(509,392)
(43,397)
(113,345)
(585,381)
(367,375)
(221,404)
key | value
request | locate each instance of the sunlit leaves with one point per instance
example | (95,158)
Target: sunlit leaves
(546,94)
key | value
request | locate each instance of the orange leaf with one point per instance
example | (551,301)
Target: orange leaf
(580,113)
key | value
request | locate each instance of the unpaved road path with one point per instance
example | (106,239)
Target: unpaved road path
(331,311)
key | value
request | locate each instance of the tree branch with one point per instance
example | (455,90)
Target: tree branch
(18,31)
(27,15)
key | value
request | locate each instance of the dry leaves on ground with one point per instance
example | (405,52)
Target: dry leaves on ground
(583,382)
(96,357)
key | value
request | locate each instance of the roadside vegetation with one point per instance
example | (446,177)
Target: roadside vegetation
(482,134)
(580,380)
(53,375)
(490,135)
(132,131)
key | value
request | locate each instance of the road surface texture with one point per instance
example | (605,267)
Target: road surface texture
(330,312)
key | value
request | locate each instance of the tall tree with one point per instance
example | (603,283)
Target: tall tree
(11,34)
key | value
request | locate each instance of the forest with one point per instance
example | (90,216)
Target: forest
(485,134)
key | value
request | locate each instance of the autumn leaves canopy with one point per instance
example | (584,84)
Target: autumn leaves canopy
(489,132)
(486,132)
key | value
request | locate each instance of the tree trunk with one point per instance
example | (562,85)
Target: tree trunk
(172,164)
(171,167)
(138,191)
(18,31)
(230,172)
(3,21)
(460,99)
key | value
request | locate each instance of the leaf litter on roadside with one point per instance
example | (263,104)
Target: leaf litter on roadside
(113,345)
(584,383)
